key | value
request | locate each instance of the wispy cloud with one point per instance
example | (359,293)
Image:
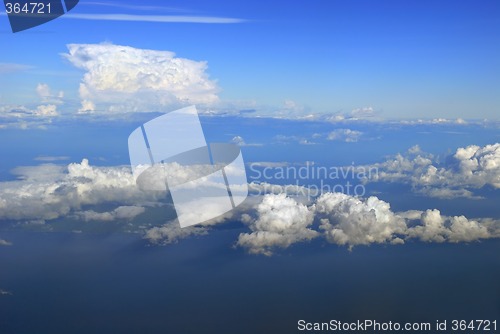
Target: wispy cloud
(11,67)
(155,18)
(51,158)
(126,6)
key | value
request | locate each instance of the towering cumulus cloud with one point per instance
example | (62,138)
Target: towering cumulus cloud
(126,79)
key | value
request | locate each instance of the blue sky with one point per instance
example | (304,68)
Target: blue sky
(406,59)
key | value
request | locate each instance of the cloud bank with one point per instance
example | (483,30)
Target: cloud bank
(280,221)
(276,220)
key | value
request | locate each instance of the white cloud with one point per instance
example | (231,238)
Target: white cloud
(5,293)
(49,191)
(126,79)
(121,212)
(51,158)
(435,121)
(276,219)
(48,110)
(5,243)
(44,92)
(155,18)
(353,221)
(345,135)
(280,222)
(471,167)
(172,233)
(437,228)
(238,140)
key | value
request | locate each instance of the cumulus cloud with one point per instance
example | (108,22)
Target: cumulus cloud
(51,191)
(172,233)
(126,79)
(278,217)
(471,167)
(281,222)
(345,135)
(352,221)
(47,110)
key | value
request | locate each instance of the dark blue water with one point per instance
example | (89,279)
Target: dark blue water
(70,283)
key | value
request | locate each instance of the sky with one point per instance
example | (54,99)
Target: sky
(417,59)
(368,133)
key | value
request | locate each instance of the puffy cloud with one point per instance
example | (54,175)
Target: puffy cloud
(126,79)
(345,135)
(281,221)
(50,191)
(121,212)
(437,228)
(172,233)
(5,243)
(471,167)
(279,217)
(47,110)
(353,221)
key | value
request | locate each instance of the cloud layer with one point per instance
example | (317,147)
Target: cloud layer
(275,220)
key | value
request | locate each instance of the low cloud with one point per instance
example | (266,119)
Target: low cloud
(278,217)
(50,191)
(5,293)
(280,222)
(469,168)
(238,140)
(5,243)
(172,233)
(121,212)
(345,135)
(344,220)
